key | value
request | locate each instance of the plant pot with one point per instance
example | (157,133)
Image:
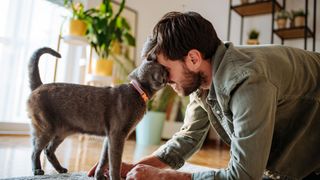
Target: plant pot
(149,129)
(282,23)
(116,48)
(77,27)
(299,21)
(103,67)
(252,41)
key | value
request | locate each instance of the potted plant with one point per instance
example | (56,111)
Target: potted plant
(298,18)
(253,37)
(149,129)
(77,22)
(281,19)
(105,30)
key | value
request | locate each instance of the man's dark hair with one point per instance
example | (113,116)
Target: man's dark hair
(177,33)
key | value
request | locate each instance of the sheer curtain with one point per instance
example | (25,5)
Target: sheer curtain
(25,25)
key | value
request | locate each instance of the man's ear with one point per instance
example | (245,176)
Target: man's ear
(194,60)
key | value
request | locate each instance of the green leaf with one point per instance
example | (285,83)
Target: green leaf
(102,8)
(125,24)
(130,40)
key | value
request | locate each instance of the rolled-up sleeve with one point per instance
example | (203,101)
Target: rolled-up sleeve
(253,105)
(188,140)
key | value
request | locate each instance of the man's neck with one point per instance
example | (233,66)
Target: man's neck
(206,69)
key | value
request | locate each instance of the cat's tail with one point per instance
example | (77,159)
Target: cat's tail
(34,76)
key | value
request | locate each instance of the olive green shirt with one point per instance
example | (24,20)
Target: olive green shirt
(265,103)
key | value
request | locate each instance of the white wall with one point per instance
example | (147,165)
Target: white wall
(216,11)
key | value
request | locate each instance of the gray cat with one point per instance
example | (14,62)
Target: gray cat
(58,110)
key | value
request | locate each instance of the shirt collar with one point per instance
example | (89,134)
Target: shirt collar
(215,62)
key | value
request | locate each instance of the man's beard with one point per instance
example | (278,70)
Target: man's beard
(192,81)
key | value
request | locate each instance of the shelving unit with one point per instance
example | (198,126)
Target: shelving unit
(271,7)
(255,8)
(304,32)
(90,78)
(71,40)
(293,33)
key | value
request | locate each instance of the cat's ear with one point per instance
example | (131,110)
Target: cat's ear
(133,74)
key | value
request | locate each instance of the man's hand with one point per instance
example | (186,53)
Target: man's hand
(125,168)
(142,171)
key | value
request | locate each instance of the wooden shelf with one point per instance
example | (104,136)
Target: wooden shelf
(293,33)
(75,40)
(256,8)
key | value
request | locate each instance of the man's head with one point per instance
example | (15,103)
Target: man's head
(183,43)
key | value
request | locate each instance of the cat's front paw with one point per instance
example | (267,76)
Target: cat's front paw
(38,172)
(62,170)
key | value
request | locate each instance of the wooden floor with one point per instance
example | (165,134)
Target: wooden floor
(80,153)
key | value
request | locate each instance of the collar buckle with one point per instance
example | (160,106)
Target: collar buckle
(136,85)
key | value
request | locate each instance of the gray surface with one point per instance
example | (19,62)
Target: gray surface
(71,176)
(190,168)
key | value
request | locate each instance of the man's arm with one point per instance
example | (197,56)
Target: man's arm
(188,140)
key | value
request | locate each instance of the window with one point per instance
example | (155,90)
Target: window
(25,26)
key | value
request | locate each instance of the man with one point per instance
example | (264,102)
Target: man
(264,101)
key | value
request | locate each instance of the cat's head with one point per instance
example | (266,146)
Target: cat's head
(150,74)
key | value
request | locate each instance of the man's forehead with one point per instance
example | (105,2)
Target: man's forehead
(161,59)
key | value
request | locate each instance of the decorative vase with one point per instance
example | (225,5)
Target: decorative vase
(282,23)
(252,42)
(299,21)
(77,27)
(103,67)
(116,48)
(149,129)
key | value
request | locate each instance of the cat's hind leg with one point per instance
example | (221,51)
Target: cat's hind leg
(39,141)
